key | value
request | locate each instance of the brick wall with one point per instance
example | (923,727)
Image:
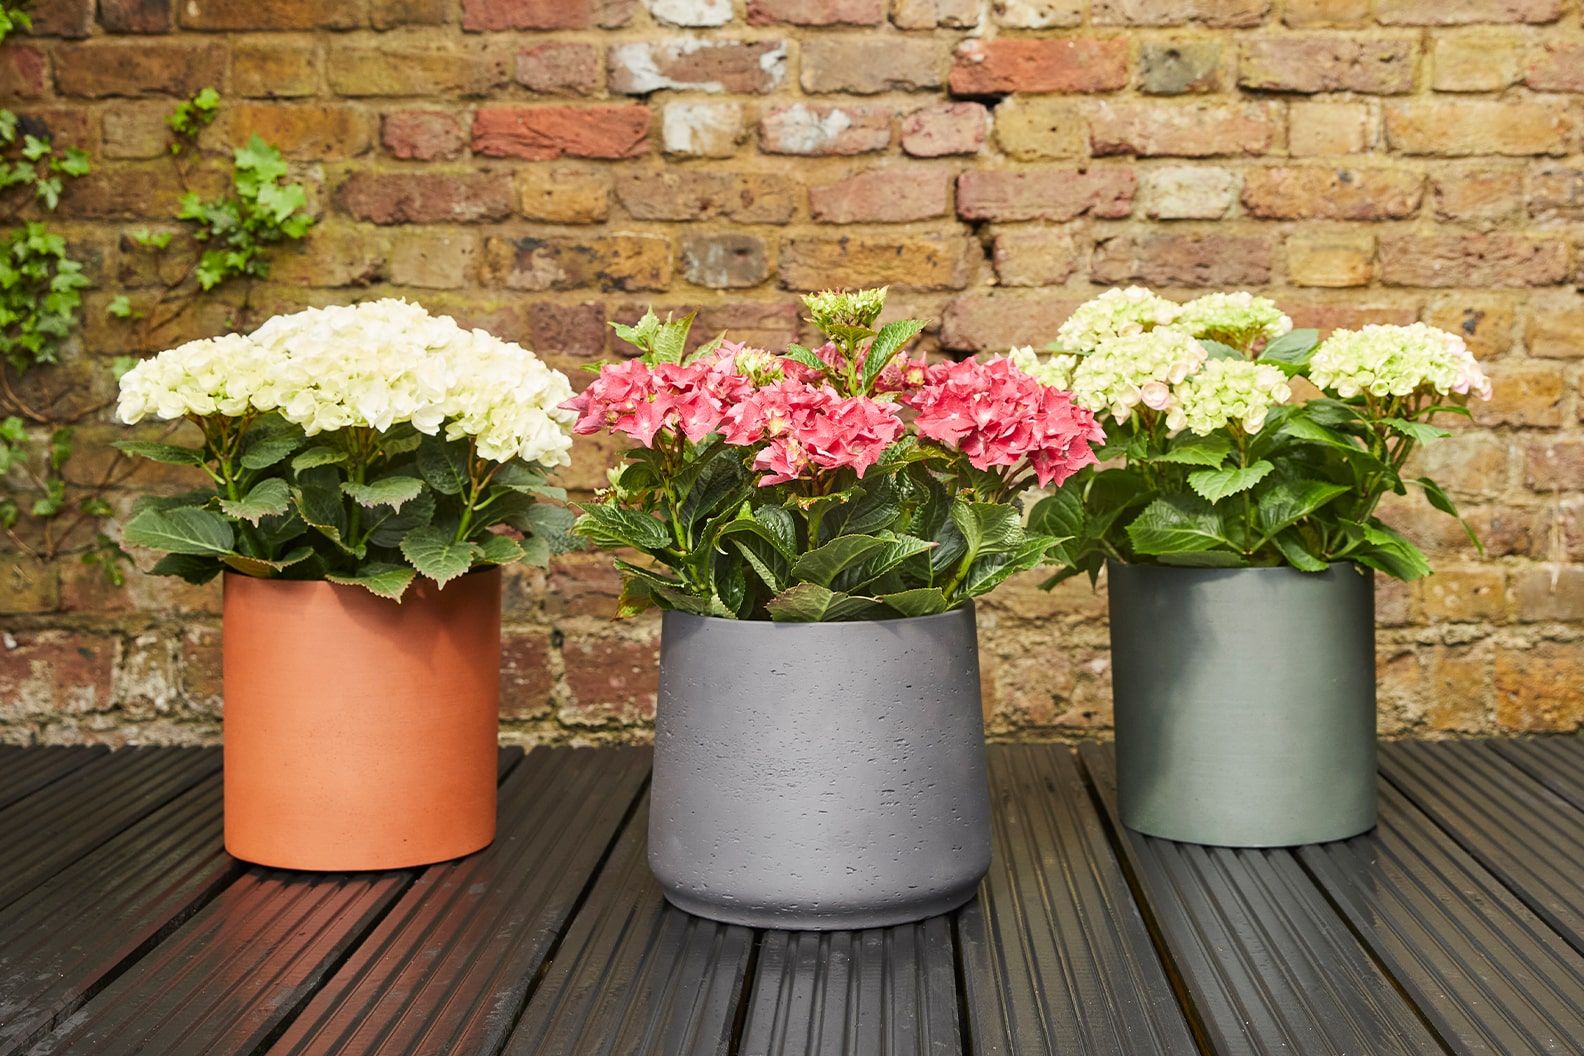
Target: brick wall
(542,166)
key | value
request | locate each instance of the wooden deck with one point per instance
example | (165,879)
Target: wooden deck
(1457,926)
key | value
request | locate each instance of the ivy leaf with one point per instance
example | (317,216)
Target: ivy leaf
(182,530)
(443,464)
(615,526)
(1175,525)
(1213,485)
(1193,450)
(170,454)
(435,554)
(887,343)
(394,492)
(268,498)
(812,603)
(378,577)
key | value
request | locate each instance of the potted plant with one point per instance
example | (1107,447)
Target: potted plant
(815,525)
(369,470)
(1239,534)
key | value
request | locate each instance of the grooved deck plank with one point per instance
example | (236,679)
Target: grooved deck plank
(24,771)
(1056,957)
(60,942)
(635,976)
(1555,762)
(1268,965)
(449,968)
(1530,837)
(65,819)
(1489,975)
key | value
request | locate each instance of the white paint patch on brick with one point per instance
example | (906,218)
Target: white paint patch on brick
(706,130)
(637,68)
(691,12)
(800,130)
(1038,14)
(1188,192)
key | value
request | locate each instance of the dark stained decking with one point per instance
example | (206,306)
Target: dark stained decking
(1457,926)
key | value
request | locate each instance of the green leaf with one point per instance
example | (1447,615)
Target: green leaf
(1176,525)
(443,464)
(1213,485)
(120,307)
(263,447)
(920,601)
(1291,351)
(1386,551)
(986,526)
(263,568)
(1287,502)
(317,498)
(1443,502)
(190,567)
(170,454)
(989,572)
(182,530)
(877,564)
(498,549)
(435,554)
(390,530)
(318,455)
(394,492)
(799,354)
(1420,432)
(1203,559)
(824,563)
(1060,515)
(1217,350)
(1191,450)
(1296,554)
(378,577)
(812,603)
(612,527)
(268,498)
(887,343)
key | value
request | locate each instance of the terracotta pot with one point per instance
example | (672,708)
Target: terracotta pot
(360,733)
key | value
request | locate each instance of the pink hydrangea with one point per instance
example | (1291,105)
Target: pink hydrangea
(827,353)
(639,400)
(997,415)
(803,426)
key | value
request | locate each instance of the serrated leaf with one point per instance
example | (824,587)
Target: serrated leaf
(1217,350)
(190,567)
(824,563)
(318,455)
(182,530)
(1419,432)
(435,554)
(394,492)
(268,498)
(378,577)
(986,526)
(497,549)
(1296,554)
(1386,551)
(887,343)
(920,601)
(170,454)
(987,573)
(799,354)
(1289,501)
(616,526)
(812,603)
(262,449)
(263,568)
(1177,525)
(1291,351)
(1213,485)
(389,530)
(443,464)
(1191,450)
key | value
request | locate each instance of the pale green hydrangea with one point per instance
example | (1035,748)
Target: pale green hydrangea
(1123,372)
(831,309)
(1387,361)
(1053,372)
(1115,313)
(1225,392)
(1236,319)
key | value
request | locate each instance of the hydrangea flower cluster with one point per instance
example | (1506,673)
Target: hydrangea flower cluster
(1124,372)
(1224,392)
(638,400)
(1397,361)
(374,365)
(803,426)
(1238,319)
(1115,313)
(1055,371)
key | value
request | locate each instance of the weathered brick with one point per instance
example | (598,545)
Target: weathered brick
(560,67)
(1322,193)
(994,321)
(134,191)
(612,681)
(1549,594)
(817,12)
(1548,464)
(1456,127)
(571,330)
(268,14)
(698,195)
(1466,465)
(1326,63)
(1523,395)
(929,14)
(432,260)
(1479,191)
(1182,260)
(426,197)
(1035,129)
(423,135)
(885,195)
(701,129)
(1456,595)
(1349,314)
(1037,14)
(690,12)
(1188,192)
(1034,257)
(1460,12)
(1305,13)
(688,63)
(129,16)
(908,261)
(1555,330)
(1326,129)
(868,65)
(29,585)
(725,261)
(333,254)
(1180,67)
(1557,192)
(526,683)
(1076,64)
(1541,688)
(1473,260)
(24,73)
(543,132)
(817,130)
(564,196)
(1556,66)
(97,69)
(486,15)
(389,14)
(1047,193)
(134,130)
(1196,130)
(1484,321)
(608,262)
(945,129)
(315,131)
(1178,12)
(45,673)
(273,69)
(1475,60)
(417,69)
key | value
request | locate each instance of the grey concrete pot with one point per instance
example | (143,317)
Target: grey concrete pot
(1245,703)
(819,775)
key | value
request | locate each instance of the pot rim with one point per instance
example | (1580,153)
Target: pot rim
(231,575)
(1202,569)
(955,612)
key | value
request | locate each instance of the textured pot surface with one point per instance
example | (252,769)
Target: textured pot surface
(819,776)
(1245,703)
(359,733)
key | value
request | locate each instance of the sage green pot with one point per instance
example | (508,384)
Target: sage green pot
(1245,702)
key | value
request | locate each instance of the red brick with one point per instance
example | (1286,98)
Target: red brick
(24,72)
(945,129)
(269,14)
(1557,66)
(698,195)
(820,130)
(1541,688)
(1472,260)
(61,18)
(1046,193)
(543,132)
(426,197)
(1324,63)
(884,195)
(1034,257)
(526,681)
(302,130)
(134,16)
(1315,193)
(994,321)
(48,673)
(1182,260)
(817,12)
(868,64)
(763,324)
(1177,12)
(613,681)
(928,262)
(100,68)
(560,67)
(613,262)
(1457,127)
(423,135)
(486,15)
(1195,130)
(688,63)
(569,329)
(1445,13)
(1078,64)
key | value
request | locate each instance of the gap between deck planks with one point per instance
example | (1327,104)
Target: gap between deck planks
(1432,934)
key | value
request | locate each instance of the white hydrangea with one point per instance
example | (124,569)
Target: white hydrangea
(1115,313)
(1389,361)
(376,365)
(1124,372)
(1237,319)
(1053,372)
(1223,392)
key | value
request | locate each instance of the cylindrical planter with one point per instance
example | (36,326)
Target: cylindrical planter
(819,775)
(1245,702)
(360,733)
